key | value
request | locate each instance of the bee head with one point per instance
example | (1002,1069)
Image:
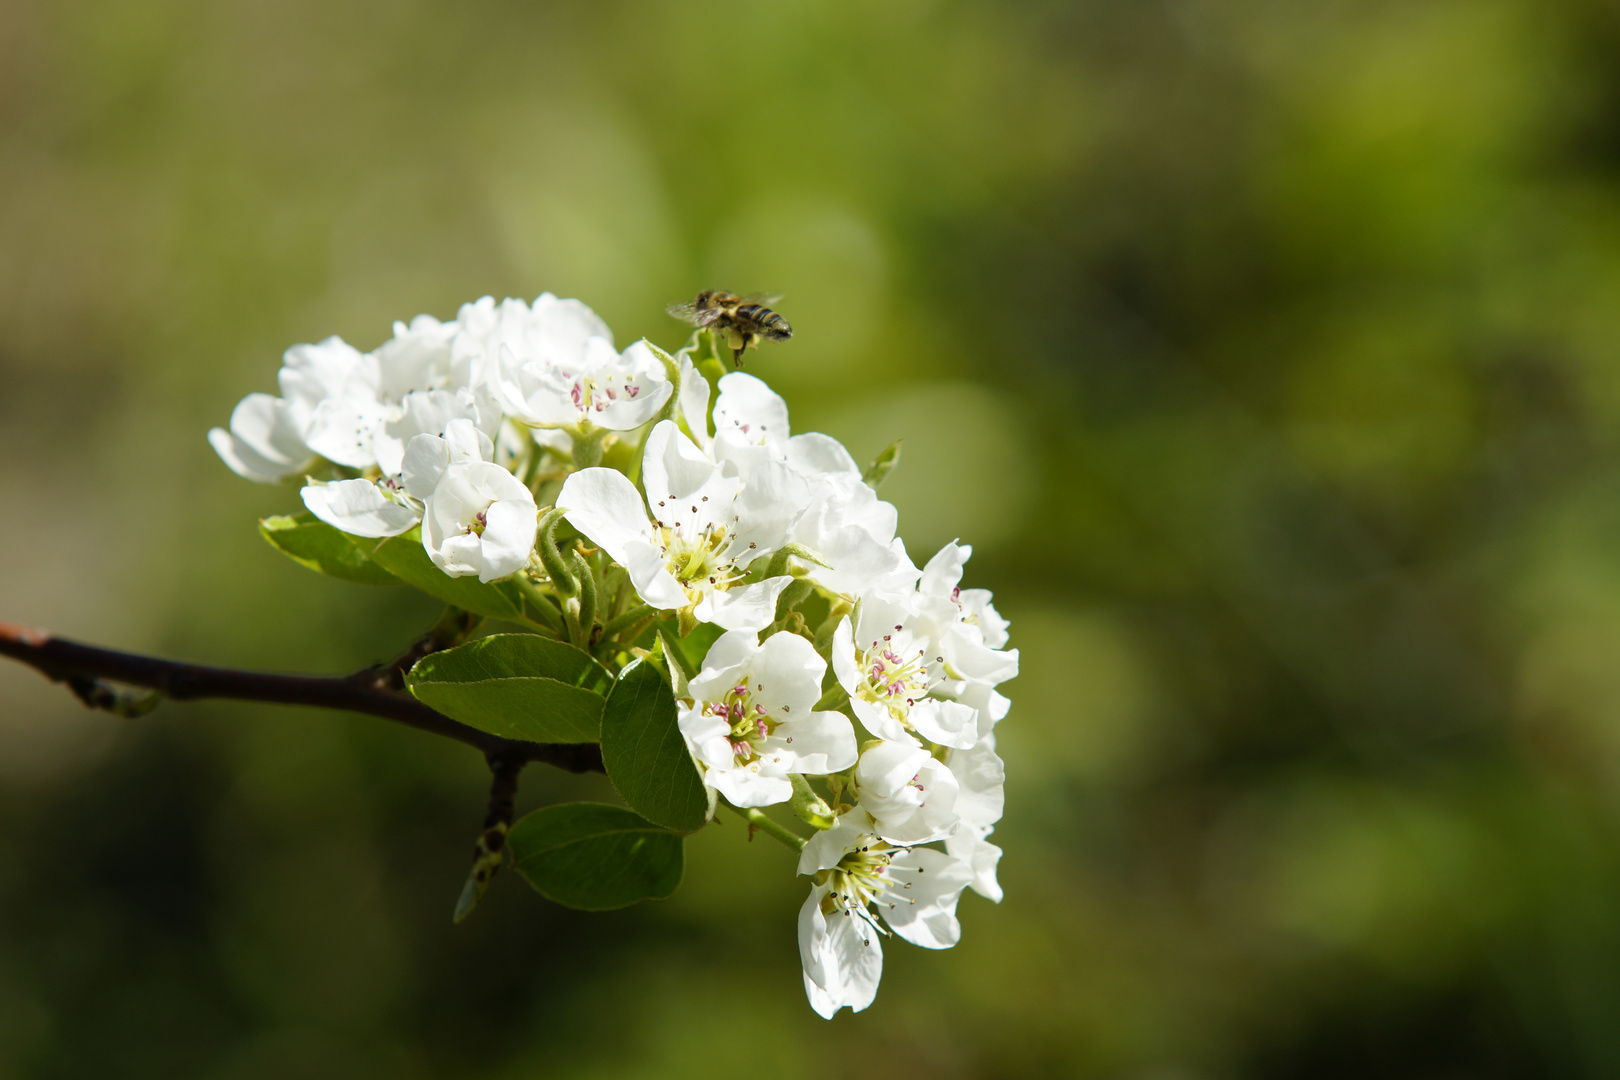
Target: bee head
(703,297)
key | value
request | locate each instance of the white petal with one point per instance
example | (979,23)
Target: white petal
(746,789)
(815,454)
(694,404)
(982,777)
(842,958)
(930,919)
(508,537)
(723,663)
(828,846)
(748,408)
(948,723)
(265,426)
(888,767)
(672,466)
(341,430)
(750,608)
(653,581)
(465,442)
(358,507)
(881,722)
(422,467)
(605,506)
(843,656)
(790,671)
(822,743)
(969,845)
(944,571)
(247,463)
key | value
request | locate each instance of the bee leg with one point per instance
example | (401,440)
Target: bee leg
(736,357)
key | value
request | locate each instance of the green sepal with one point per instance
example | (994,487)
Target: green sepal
(882,465)
(588,447)
(556,566)
(518,686)
(405,558)
(595,857)
(811,808)
(779,564)
(676,663)
(645,754)
(311,542)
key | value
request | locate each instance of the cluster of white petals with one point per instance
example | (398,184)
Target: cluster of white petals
(842,681)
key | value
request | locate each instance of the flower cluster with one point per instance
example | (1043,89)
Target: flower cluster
(836,678)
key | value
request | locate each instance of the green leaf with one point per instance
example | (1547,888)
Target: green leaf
(404,557)
(882,465)
(645,755)
(519,686)
(306,539)
(595,857)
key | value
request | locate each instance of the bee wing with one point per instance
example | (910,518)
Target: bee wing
(766,298)
(689,313)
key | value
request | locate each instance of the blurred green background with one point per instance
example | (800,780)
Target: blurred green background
(1265,351)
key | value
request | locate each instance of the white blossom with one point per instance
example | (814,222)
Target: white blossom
(843,521)
(689,545)
(752,719)
(361,507)
(391,506)
(598,389)
(550,332)
(889,667)
(478,518)
(909,794)
(980,778)
(914,889)
(264,442)
(269,437)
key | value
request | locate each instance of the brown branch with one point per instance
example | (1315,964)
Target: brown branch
(371,691)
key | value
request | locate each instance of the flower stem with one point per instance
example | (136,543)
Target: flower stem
(626,620)
(757,819)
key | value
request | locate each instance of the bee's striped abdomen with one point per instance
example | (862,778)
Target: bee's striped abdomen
(770,324)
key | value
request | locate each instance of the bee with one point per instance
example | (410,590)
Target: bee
(745,319)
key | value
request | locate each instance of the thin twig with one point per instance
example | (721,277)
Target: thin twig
(490,849)
(758,819)
(369,691)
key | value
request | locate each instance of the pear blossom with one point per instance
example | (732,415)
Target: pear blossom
(970,632)
(551,332)
(915,890)
(980,777)
(269,437)
(601,388)
(844,522)
(361,507)
(405,387)
(890,667)
(688,546)
(909,794)
(478,518)
(264,442)
(458,427)
(391,506)
(752,719)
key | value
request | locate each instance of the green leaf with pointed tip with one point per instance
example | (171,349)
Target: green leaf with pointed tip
(404,557)
(306,539)
(519,686)
(595,857)
(645,755)
(882,465)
